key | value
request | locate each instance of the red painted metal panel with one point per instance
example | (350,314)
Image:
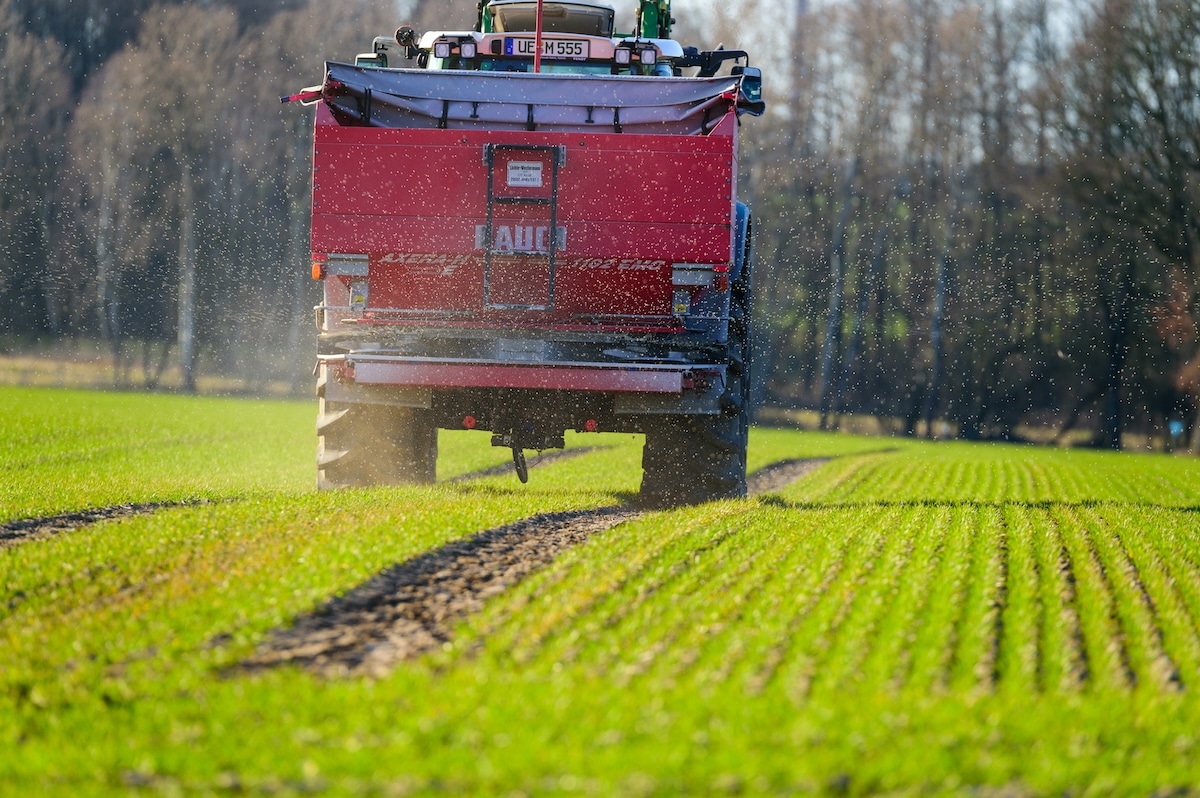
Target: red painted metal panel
(590,277)
(430,238)
(607,177)
(533,376)
(628,206)
(393,178)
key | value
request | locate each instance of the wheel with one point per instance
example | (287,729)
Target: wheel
(694,459)
(362,445)
(518,456)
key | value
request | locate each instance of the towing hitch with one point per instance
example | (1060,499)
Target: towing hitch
(526,439)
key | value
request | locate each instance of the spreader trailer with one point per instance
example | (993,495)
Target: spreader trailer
(531,230)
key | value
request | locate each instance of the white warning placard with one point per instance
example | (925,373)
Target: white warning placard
(526,174)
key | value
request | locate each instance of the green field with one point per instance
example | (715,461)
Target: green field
(910,618)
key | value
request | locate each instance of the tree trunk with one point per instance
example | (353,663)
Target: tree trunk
(49,285)
(850,382)
(941,282)
(107,296)
(831,351)
(186,291)
(1118,310)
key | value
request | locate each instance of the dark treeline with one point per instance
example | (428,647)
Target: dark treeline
(972,215)
(984,213)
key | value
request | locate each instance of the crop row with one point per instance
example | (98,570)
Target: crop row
(921,598)
(974,474)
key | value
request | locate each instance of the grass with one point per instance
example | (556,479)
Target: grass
(910,618)
(65,450)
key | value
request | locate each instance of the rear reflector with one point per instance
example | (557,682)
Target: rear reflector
(681,302)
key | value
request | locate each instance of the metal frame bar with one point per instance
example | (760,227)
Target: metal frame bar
(521,375)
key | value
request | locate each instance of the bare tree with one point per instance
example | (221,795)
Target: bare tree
(273,151)
(33,93)
(1132,132)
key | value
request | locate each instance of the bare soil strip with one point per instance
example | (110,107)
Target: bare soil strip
(779,475)
(27,529)
(410,608)
(24,530)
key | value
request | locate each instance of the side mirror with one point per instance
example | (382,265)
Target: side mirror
(750,89)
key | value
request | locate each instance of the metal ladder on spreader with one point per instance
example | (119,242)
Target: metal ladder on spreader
(503,192)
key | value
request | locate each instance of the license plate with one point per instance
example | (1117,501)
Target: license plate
(570,49)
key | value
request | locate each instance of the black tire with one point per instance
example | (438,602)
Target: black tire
(695,459)
(362,445)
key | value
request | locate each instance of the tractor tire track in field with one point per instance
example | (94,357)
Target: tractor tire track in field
(779,475)
(24,530)
(410,608)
